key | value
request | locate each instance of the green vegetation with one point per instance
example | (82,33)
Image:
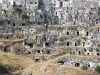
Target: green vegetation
(23,16)
(17,53)
(34,51)
(43,42)
(97,49)
(13,68)
(84,38)
(90,50)
(35,42)
(97,69)
(85,49)
(84,67)
(19,67)
(9,67)
(5,55)
(90,25)
(91,30)
(19,10)
(41,16)
(4,10)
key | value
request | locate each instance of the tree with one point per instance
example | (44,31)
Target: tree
(85,49)
(97,69)
(41,16)
(23,16)
(84,67)
(17,9)
(97,49)
(90,50)
(91,30)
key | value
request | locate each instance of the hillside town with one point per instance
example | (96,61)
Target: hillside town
(50,29)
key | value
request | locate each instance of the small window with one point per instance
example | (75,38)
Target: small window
(9,2)
(31,2)
(4,2)
(54,9)
(35,2)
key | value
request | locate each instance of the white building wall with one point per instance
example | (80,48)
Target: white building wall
(99,3)
(0,1)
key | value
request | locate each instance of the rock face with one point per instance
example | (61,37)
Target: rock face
(29,73)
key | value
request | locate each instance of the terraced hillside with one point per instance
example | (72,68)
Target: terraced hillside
(14,64)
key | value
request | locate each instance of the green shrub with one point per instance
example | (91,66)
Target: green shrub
(19,67)
(35,42)
(97,49)
(9,67)
(5,55)
(17,53)
(13,68)
(18,9)
(84,67)
(23,16)
(41,16)
(90,50)
(85,49)
(91,30)
(97,69)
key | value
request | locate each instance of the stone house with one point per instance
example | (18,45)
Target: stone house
(53,32)
(45,5)
(6,48)
(77,51)
(27,4)
(8,36)
(79,62)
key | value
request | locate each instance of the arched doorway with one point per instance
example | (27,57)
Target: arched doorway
(75,44)
(87,33)
(67,33)
(67,43)
(38,51)
(77,64)
(7,37)
(13,24)
(79,52)
(47,44)
(88,53)
(98,54)
(88,65)
(77,32)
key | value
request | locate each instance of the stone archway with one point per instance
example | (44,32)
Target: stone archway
(77,64)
